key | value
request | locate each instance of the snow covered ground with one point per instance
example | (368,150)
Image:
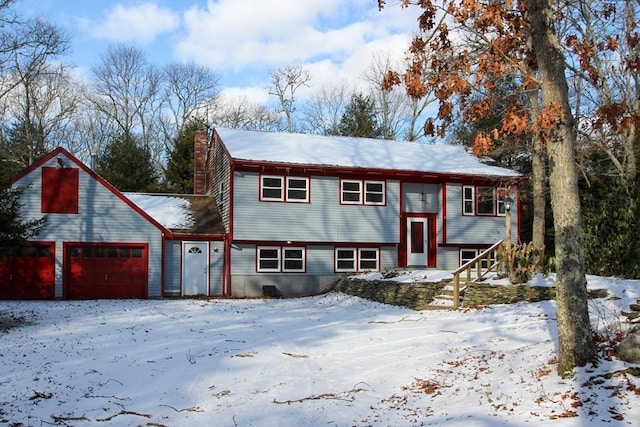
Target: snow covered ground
(329,360)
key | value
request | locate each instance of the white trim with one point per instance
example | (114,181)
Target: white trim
(278,259)
(343,192)
(377,259)
(185,254)
(465,200)
(263,187)
(354,258)
(382,192)
(302,259)
(306,189)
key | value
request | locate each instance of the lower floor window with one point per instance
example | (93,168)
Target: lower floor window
(467,255)
(277,259)
(357,259)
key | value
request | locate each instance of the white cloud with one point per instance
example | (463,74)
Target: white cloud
(140,23)
(334,39)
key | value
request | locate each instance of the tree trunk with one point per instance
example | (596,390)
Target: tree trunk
(538,163)
(575,339)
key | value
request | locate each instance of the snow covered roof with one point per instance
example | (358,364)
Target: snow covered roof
(169,211)
(339,151)
(183,213)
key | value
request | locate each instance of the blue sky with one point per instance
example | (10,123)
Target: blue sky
(241,40)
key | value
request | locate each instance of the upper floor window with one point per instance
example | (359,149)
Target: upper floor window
(480,200)
(284,189)
(357,192)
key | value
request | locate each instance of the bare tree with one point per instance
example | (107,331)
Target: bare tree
(32,86)
(243,114)
(323,110)
(126,90)
(394,106)
(603,59)
(190,90)
(284,84)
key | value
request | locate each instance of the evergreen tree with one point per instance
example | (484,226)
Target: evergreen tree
(180,164)
(128,166)
(359,119)
(13,230)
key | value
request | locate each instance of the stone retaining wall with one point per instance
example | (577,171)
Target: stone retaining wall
(420,295)
(417,297)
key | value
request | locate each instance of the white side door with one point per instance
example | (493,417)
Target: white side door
(195,268)
(417,241)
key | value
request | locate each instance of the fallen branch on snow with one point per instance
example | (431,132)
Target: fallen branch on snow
(191,409)
(345,395)
(123,412)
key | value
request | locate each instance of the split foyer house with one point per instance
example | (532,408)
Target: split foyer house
(274,213)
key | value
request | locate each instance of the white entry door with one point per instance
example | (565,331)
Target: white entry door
(195,268)
(417,241)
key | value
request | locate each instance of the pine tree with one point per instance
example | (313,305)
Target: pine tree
(127,165)
(359,119)
(13,230)
(180,164)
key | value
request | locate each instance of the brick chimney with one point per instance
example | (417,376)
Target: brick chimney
(200,162)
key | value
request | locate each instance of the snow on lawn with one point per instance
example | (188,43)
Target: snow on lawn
(329,360)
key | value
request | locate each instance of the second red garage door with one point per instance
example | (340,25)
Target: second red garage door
(98,271)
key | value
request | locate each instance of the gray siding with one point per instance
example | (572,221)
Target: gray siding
(467,229)
(413,193)
(216,267)
(219,174)
(173,267)
(448,258)
(102,217)
(320,275)
(324,219)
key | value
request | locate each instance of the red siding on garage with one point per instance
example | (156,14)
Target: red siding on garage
(105,270)
(30,274)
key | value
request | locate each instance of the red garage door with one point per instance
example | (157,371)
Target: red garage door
(95,271)
(30,273)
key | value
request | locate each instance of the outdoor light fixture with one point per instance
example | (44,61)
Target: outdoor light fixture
(508,202)
(423,196)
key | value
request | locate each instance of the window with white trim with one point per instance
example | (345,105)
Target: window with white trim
(272,188)
(351,192)
(277,259)
(292,260)
(268,259)
(468,200)
(284,189)
(297,189)
(467,255)
(353,260)
(374,193)
(357,192)
(486,201)
(483,200)
(368,259)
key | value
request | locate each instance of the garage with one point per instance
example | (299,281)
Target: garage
(29,273)
(96,271)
